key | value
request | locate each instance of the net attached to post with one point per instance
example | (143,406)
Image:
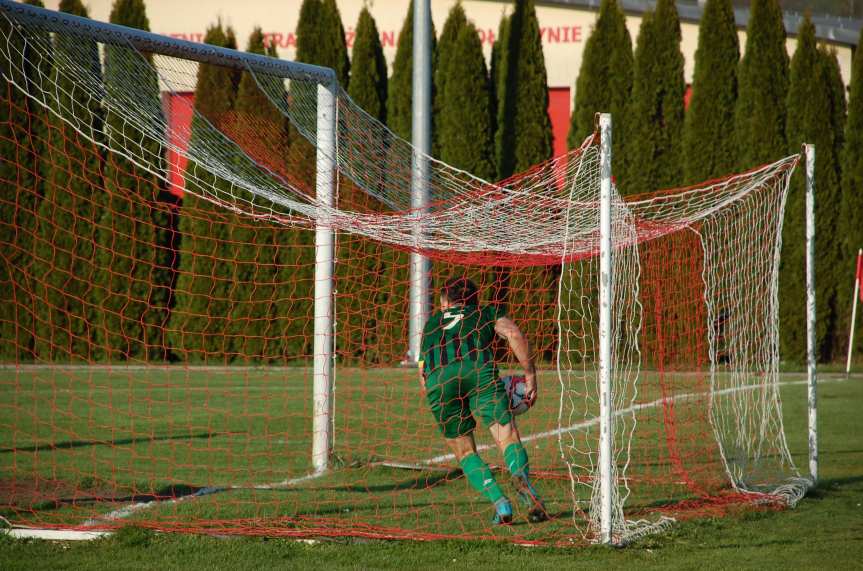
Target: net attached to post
(695,380)
(159,274)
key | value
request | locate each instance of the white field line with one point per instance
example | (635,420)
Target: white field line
(131,509)
(126,511)
(284,483)
(54,534)
(141,506)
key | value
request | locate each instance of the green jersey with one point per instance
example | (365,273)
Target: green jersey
(461,333)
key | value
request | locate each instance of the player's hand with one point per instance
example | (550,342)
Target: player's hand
(530,387)
(421,371)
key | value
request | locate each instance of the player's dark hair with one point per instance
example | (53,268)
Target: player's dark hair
(460,290)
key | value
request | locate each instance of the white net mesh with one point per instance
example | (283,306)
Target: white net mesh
(697,415)
(695,384)
(528,209)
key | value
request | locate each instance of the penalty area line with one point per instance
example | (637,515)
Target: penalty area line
(284,483)
(131,509)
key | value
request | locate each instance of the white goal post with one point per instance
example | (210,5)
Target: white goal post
(324,253)
(606,287)
(858,276)
(606,283)
(811,373)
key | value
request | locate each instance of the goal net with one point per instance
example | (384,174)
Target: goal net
(160,321)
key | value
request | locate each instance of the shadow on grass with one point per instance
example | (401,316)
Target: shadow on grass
(467,507)
(165,493)
(824,489)
(827,487)
(120,441)
(827,451)
(840,481)
(423,481)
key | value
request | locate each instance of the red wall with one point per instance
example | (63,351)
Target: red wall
(178,109)
(558,110)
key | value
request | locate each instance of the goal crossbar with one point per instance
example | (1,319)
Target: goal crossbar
(149,42)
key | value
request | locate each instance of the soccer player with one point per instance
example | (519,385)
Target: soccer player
(460,379)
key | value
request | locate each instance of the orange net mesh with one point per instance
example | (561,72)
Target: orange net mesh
(158,324)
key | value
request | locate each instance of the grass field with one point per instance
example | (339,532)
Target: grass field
(91,441)
(219,429)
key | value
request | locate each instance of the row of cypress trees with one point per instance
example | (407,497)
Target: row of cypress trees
(23,142)
(490,121)
(96,245)
(117,274)
(743,112)
(89,276)
(64,269)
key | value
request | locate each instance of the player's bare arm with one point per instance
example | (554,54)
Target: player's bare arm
(422,377)
(506,328)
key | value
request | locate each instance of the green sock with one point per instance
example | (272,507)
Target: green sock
(515,457)
(480,477)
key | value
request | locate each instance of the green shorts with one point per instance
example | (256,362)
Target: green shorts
(463,389)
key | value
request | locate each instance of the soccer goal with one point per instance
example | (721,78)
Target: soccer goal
(206,265)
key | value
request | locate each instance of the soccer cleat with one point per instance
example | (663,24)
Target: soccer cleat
(530,499)
(502,512)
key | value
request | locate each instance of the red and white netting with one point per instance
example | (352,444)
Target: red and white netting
(158,324)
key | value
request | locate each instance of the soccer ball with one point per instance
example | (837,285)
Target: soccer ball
(515,388)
